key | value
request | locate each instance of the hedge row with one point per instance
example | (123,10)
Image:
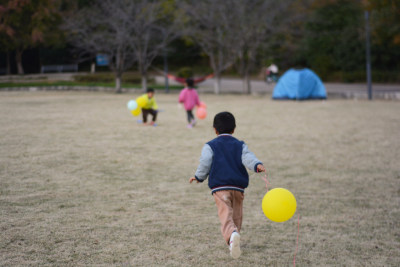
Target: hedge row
(106,77)
(344,77)
(360,76)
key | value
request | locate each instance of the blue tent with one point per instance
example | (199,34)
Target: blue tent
(299,85)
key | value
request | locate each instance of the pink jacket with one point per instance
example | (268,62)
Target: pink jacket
(189,98)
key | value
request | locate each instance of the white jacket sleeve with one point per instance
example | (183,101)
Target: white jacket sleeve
(205,163)
(249,159)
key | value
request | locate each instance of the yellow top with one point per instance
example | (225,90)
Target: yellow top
(150,102)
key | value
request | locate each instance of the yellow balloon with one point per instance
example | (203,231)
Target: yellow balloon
(136,111)
(279,205)
(141,101)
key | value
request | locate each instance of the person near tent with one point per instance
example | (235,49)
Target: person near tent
(272,73)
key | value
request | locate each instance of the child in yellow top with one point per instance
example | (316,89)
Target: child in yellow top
(151,107)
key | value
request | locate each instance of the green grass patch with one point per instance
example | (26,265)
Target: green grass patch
(80,83)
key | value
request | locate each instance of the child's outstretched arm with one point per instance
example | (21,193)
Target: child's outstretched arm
(204,165)
(177,79)
(201,79)
(250,160)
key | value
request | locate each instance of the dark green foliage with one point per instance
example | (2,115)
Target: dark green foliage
(185,72)
(385,39)
(359,76)
(333,38)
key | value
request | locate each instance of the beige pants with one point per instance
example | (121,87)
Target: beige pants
(230,211)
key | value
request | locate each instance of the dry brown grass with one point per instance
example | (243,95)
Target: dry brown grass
(82,184)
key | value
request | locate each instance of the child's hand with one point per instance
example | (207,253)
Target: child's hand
(260,168)
(193,179)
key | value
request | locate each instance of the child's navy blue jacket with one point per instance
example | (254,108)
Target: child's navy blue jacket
(223,160)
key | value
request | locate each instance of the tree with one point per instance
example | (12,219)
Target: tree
(385,17)
(334,39)
(127,31)
(154,25)
(210,24)
(5,46)
(254,23)
(286,46)
(232,31)
(26,23)
(102,28)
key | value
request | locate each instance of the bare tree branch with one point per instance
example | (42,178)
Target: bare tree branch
(209,24)
(127,31)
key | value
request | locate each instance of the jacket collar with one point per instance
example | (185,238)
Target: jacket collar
(224,134)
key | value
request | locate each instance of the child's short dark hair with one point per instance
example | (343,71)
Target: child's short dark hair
(190,82)
(224,122)
(150,90)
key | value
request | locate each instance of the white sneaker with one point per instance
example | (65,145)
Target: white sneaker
(234,245)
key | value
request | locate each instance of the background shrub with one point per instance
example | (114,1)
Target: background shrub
(185,72)
(107,77)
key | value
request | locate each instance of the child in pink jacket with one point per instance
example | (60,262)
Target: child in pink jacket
(189,97)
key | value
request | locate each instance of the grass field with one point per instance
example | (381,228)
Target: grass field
(86,84)
(82,184)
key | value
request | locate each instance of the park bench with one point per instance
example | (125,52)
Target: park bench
(59,68)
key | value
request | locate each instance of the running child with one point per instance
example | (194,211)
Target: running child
(223,161)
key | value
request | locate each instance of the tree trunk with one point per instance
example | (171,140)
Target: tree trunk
(244,85)
(118,72)
(144,81)
(247,83)
(217,84)
(8,64)
(18,58)
(118,88)
(93,67)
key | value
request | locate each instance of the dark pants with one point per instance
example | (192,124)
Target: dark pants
(147,112)
(190,116)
